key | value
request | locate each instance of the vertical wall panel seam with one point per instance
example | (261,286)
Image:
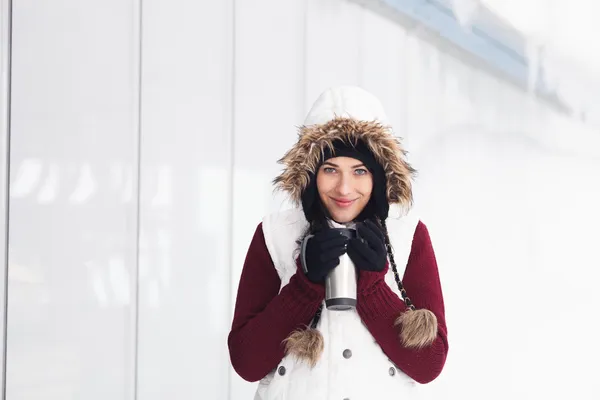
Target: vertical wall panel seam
(231,178)
(304,88)
(137,191)
(7,126)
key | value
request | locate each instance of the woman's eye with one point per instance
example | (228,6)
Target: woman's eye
(360,171)
(329,170)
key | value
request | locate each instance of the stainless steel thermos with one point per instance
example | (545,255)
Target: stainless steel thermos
(340,283)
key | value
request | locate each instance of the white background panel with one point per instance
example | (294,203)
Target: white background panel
(333,45)
(185,200)
(72,252)
(269,96)
(383,70)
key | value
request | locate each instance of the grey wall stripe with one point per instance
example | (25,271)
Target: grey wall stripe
(231,177)
(137,189)
(6,25)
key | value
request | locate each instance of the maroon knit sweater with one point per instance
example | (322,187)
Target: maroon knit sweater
(264,317)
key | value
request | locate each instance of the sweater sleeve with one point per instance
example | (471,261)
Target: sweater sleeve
(379,307)
(264,316)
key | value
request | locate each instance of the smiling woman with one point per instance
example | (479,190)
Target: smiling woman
(346,169)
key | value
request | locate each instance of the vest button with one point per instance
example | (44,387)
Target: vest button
(392,371)
(347,353)
(281,370)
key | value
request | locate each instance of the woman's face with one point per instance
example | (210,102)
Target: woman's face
(345,187)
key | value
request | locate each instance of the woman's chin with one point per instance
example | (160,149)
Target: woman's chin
(343,217)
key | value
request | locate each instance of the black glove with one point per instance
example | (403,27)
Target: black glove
(368,251)
(322,254)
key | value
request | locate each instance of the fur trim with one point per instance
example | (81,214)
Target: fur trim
(304,157)
(418,328)
(306,345)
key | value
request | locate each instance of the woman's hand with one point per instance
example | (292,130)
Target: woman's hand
(322,254)
(368,250)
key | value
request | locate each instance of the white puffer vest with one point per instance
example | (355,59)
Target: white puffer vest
(365,373)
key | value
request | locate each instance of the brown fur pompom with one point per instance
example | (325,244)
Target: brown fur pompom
(306,345)
(418,328)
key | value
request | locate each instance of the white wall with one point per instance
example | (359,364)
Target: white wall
(185,200)
(122,279)
(73,200)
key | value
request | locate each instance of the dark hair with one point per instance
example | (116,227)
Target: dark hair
(390,252)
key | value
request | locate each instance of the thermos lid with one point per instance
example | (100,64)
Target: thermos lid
(348,232)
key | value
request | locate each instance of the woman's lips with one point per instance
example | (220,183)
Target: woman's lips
(343,203)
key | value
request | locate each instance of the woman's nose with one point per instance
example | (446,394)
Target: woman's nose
(344,186)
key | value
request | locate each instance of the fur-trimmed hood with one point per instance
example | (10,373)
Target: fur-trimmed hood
(348,114)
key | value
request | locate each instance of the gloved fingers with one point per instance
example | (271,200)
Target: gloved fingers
(336,242)
(358,246)
(375,229)
(360,261)
(372,239)
(333,254)
(331,264)
(324,269)
(327,234)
